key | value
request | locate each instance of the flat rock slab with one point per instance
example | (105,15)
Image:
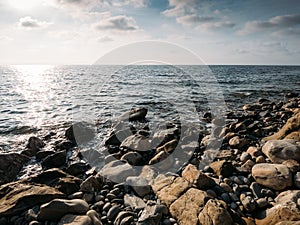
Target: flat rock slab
(274,176)
(195,176)
(186,208)
(57,208)
(16,197)
(75,220)
(170,188)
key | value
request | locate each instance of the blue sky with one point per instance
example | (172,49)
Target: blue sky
(81,31)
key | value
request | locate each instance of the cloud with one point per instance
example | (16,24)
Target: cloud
(119,23)
(28,22)
(193,19)
(217,25)
(277,22)
(105,39)
(288,32)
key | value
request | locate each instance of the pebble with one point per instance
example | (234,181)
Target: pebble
(260,159)
(226,198)
(113,212)
(262,202)
(211,193)
(226,187)
(245,156)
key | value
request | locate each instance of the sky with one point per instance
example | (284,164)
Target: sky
(82,31)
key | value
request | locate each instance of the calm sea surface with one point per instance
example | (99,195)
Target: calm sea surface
(38,98)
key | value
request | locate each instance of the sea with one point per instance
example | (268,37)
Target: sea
(36,99)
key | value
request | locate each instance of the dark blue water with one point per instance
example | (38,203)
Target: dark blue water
(39,98)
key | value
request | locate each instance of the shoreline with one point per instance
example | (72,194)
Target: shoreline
(231,187)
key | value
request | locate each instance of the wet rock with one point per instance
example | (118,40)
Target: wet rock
(136,143)
(161,156)
(297,180)
(187,207)
(133,158)
(168,189)
(134,202)
(122,216)
(16,197)
(151,215)
(68,185)
(222,168)
(281,150)
(57,208)
(195,176)
(75,220)
(139,185)
(134,114)
(292,125)
(274,176)
(35,144)
(118,137)
(10,165)
(58,159)
(113,212)
(279,213)
(77,168)
(80,133)
(43,154)
(215,213)
(91,184)
(117,171)
(168,147)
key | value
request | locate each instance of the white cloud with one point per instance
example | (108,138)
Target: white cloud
(28,22)
(5,38)
(105,39)
(277,22)
(118,23)
(193,19)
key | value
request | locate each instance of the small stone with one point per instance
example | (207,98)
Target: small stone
(297,180)
(94,216)
(248,203)
(245,156)
(226,187)
(58,159)
(253,151)
(75,220)
(260,159)
(113,212)
(293,165)
(237,142)
(91,184)
(134,202)
(195,176)
(133,158)
(234,197)
(262,202)
(139,185)
(256,190)
(225,197)
(223,168)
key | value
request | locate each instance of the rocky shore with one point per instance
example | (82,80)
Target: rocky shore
(253,179)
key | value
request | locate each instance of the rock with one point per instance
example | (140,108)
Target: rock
(136,142)
(245,156)
(262,202)
(297,180)
(122,216)
(134,202)
(237,142)
(226,155)
(279,213)
(75,220)
(43,154)
(288,223)
(168,189)
(281,150)
(288,196)
(168,147)
(55,178)
(58,159)
(35,144)
(10,165)
(215,213)
(248,203)
(117,171)
(161,156)
(68,185)
(113,212)
(80,133)
(91,184)
(78,168)
(223,168)
(139,185)
(195,176)
(133,158)
(134,114)
(256,190)
(187,207)
(16,197)
(293,165)
(127,220)
(253,151)
(116,138)
(151,215)
(57,208)
(274,176)
(291,126)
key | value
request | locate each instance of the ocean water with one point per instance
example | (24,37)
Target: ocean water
(35,99)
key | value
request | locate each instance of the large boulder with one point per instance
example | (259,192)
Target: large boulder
(186,208)
(70,219)
(288,196)
(10,166)
(169,189)
(280,150)
(117,171)
(274,176)
(57,208)
(290,130)
(215,213)
(136,142)
(279,213)
(80,133)
(16,197)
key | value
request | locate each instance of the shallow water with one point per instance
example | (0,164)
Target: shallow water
(38,98)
